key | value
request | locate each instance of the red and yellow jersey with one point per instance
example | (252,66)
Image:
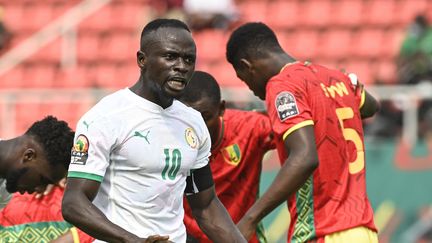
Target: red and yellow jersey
(28,219)
(334,198)
(236,165)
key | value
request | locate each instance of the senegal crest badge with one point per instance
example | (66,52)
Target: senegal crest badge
(191,138)
(232,154)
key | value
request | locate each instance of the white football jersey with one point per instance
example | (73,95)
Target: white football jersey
(141,154)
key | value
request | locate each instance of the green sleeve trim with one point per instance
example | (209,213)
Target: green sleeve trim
(84,175)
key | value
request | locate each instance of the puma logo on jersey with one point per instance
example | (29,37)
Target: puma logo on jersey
(139,134)
(331,91)
(87,124)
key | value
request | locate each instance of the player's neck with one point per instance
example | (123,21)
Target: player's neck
(218,141)
(141,89)
(283,60)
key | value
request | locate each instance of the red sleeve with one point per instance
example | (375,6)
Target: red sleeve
(288,105)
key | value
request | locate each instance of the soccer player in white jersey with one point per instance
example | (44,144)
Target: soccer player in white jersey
(139,150)
(39,157)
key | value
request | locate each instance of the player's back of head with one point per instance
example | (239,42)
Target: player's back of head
(160,23)
(56,139)
(250,40)
(202,86)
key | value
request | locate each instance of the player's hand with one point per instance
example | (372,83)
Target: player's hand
(47,190)
(156,239)
(247,228)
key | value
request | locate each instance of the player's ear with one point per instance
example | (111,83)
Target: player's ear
(222,108)
(245,64)
(29,155)
(141,59)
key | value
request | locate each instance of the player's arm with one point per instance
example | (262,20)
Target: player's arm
(210,214)
(78,209)
(301,163)
(369,105)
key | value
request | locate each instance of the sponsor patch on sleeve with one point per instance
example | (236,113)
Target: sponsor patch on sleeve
(286,105)
(79,152)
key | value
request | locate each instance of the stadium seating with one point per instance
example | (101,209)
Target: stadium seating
(362,36)
(336,31)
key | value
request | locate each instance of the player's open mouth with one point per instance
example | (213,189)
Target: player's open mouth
(177,83)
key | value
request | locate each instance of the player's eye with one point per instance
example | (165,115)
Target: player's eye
(170,56)
(189,60)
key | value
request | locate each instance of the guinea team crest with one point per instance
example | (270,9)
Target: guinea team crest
(232,154)
(286,105)
(191,138)
(80,149)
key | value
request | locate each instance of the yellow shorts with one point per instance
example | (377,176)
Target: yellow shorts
(355,235)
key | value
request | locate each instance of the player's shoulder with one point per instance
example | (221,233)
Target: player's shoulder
(187,110)
(190,116)
(104,109)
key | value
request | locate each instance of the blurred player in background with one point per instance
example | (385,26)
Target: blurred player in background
(239,141)
(316,115)
(139,150)
(30,162)
(39,157)
(39,219)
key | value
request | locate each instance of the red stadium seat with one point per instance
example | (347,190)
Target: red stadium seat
(126,16)
(283,14)
(347,13)
(335,44)
(13,16)
(50,53)
(316,13)
(37,16)
(305,44)
(13,78)
(286,39)
(368,43)
(210,45)
(380,13)
(253,11)
(39,76)
(118,47)
(225,75)
(79,77)
(98,21)
(107,76)
(127,75)
(363,69)
(386,72)
(408,9)
(392,42)
(25,114)
(88,47)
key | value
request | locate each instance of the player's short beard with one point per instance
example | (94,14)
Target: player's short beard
(12,179)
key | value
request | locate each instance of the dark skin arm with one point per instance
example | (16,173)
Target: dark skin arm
(213,218)
(301,163)
(78,209)
(370,106)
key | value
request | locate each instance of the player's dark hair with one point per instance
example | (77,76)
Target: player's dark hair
(56,139)
(161,23)
(251,40)
(202,85)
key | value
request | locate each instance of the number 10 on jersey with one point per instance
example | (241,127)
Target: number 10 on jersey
(172,163)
